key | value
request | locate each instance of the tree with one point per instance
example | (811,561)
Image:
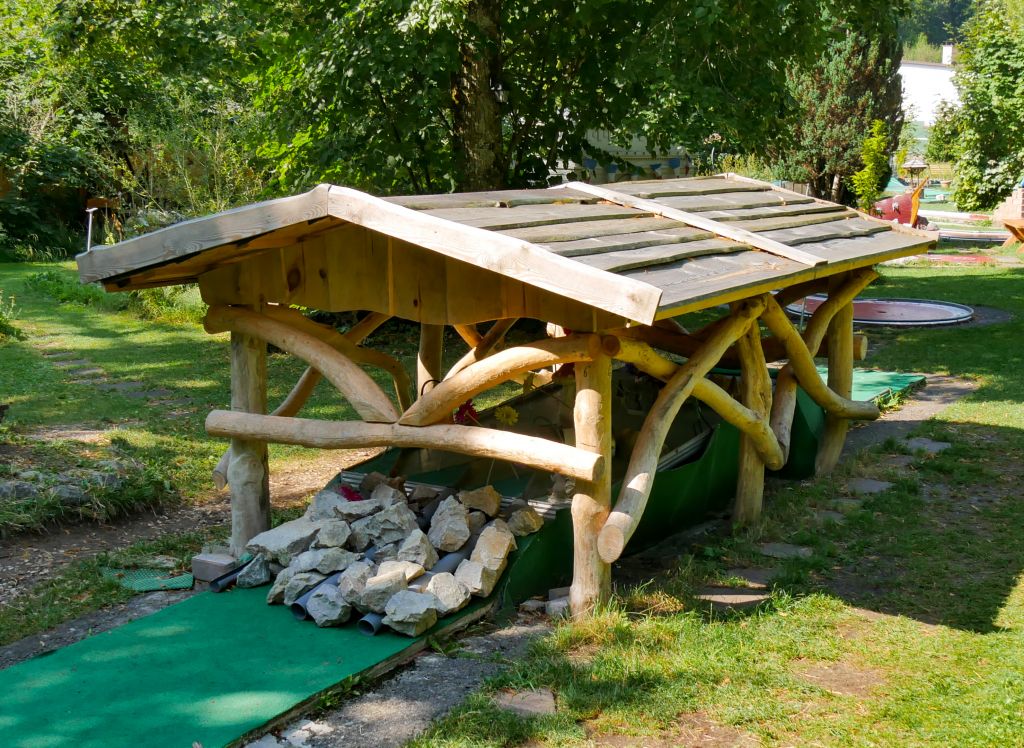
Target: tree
(400,95)
(866,182)
(990,132)
(854,83)
(938,21)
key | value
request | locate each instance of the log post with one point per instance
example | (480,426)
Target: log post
(428,360)
(248,473)
(840,381)
(756,394)
(592,415)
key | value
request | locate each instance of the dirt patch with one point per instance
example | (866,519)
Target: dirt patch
(692,730)
(840,678)
(77,432)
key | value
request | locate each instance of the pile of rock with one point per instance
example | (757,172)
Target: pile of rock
(410,556)
(73,487)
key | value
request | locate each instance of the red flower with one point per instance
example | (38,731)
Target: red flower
(466,413)
(351,494)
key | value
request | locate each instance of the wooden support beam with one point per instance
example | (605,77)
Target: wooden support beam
(247,469)
(469,334)
(366,397)
(784,402)
(840,381)
(756,394)
(756,427)
(592,416)
(303,389)
(636,486)
(429,358)
(437,405)
(484,347)
(475,441)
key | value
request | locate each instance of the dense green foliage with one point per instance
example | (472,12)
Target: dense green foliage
(943,137)
(989,141)
(866,182)
(938,21)
(855,82)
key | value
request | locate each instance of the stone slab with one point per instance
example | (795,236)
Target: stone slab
(756,579)
(825,516)
(208,566)
(930,446)
(846,506)
(867,486)
(534,703)
(785,550)
(731,598)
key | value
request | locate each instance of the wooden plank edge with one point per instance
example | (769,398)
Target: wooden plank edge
(371,673)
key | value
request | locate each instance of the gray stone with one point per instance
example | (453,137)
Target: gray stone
(758,579)
(388,495)
(324,560)
(286,540)
(255,574)
(785,550)
(558,608)
(920,443)
(493,547)
(846,506)
(867,486)
(476,521)
(71,495)
(411,613)
(359,536)
(208,566)
(370,481)
(449,527)
(525,521)
(486,500)
(327,606)
(378,590)
(333,534)
(17,489)
(825,516)
(476,577)
(276,594)
(723,599)
(30,475)
(100,478)
(534,703)
(408,568)
(354,578)
(533,606)
(384,553)
(422,495)
(451,594)
(301,583)
(328,504)
(556,592)
(417,548)
(899,461)
(391,525)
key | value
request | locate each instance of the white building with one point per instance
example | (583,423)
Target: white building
(925,84)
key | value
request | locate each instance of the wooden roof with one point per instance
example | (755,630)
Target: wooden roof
(638,250)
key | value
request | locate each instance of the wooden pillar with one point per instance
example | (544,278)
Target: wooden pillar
(840,380)
(592,415)
(756,394)
(428,360)
(248,475)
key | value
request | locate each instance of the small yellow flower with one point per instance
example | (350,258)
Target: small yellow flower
(507,415)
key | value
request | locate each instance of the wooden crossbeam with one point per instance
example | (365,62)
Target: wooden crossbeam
(728,231)
(484,346)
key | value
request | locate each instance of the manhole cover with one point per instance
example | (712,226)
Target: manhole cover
(894,312)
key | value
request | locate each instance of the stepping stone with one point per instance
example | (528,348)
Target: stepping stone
(846,505)
(153,394)
(87,381)
(724,599)
(930,446)
(121,386)
(757,579)
(827,515)
(86,372)
(534,703)
(785,550)
(899,461)
(867,486)
(72,364)
(57,354)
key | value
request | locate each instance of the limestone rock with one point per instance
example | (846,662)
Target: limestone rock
(18,489)
(486,499)
(379,590)
(384,553)
(476,521)
(525,521)
(333,534)
(71,495)
(411,613)
(451,594)
(354,578)
(370,481)
(408,568)
(422,495)
(286,540)
(388,495)
(324,560)
(558,608)
(392,525)
(276,594)
(323,505)
(449,527)
(417,548)
(359,536)
(476,577)
(327,606)
(255,574)
(493,547)
(301,583)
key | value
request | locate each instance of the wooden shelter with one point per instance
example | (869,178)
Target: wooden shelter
(607,267)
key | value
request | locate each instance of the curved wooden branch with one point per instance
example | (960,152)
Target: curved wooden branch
(366,397)
(438,404)
(636,486)
(784,402)
(469,334)
(649,361)
(303,389)
(484,347)
(756,392)
(471,440)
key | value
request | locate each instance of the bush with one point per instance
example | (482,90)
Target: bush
(67,290)
(8,331)
(867,182)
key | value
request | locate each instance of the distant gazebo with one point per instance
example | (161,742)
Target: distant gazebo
(914,166)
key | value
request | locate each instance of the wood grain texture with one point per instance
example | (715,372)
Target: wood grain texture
(661,254)
(429,357)
(756,395)
(657,188)
(497,219)
(618,242)
(840,381)
(247,470)
(484,346)
(475,441)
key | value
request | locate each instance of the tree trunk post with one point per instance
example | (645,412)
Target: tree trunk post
(756,394)
(248,474)
(592,415)
(428,360)
(840,381)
